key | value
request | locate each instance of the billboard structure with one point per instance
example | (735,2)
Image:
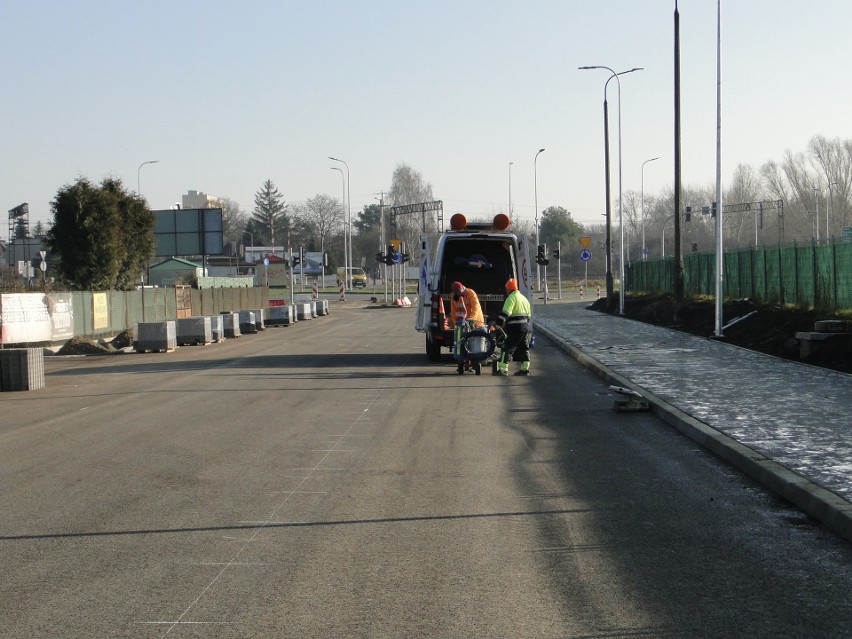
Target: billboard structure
(19,232)
(186,232)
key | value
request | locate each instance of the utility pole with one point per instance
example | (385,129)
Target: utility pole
(383,242)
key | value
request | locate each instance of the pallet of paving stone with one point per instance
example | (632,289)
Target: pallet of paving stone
(280,315)
(248,324)
(194,331)
(259,318)
(231,325)
(21,369)
(155,337)
(303,311)
(217,328)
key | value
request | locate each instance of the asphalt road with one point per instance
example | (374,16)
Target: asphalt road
(326,480)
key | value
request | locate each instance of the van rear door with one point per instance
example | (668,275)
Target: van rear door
(524,268)
(424,296)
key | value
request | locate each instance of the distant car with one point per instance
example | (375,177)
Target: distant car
(359,277)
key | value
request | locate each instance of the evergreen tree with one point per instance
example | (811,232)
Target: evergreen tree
(558,225)
(270,214)
(101,235)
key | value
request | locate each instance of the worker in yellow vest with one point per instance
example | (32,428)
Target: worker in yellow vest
(515,320)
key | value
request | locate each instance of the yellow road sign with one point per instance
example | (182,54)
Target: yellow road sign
(585,241)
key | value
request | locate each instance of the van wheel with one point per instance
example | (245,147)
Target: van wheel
(433,349)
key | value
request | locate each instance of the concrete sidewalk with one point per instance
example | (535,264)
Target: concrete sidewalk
(786,424)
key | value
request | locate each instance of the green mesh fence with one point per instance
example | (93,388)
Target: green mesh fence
(806,275)
(127,308)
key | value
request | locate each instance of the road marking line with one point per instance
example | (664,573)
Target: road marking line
(258,530)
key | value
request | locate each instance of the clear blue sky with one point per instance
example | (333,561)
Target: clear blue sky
(228,94)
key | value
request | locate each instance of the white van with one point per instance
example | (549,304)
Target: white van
(482,256)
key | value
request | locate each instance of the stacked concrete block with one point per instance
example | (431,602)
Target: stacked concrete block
(280,315)
(155,336)
(192,331)
(303,311)
(322,307)
(21,369)
(248,324)
(217,328)
(231,323)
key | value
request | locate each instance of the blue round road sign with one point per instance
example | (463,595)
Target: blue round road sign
(585,255)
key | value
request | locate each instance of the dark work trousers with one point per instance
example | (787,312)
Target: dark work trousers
(517,343)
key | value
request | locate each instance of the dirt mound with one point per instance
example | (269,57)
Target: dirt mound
(84,346)
(122,340)
(766,328)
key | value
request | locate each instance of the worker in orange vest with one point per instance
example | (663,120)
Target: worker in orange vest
(464,305)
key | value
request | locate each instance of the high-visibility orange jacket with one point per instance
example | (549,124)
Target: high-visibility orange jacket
(469,302)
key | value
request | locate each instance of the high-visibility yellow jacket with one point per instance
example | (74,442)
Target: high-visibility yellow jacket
(516,313)
(470,303)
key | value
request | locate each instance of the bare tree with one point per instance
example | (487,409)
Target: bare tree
(233,220)
(744,188)
(832,161)
(408,187)
(801,183)
(318,220)
(632,214)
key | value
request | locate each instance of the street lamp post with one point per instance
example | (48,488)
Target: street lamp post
(535,191)
(347,234)
(620,198)
(816,215)
(663,238)
(342,208)
(139,172)
(510,189)
(251,237)
(643,205)
(828,209)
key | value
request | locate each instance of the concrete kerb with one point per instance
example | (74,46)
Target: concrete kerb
(816,501)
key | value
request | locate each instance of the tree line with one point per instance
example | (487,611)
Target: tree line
(102,234)
(814,187)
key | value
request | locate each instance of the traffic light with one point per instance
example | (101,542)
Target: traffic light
(713,210)
(389,255)
(687,213)
(380,257)
(404,257)
(541,257)
(694,247)
(296,260)
(556,254)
